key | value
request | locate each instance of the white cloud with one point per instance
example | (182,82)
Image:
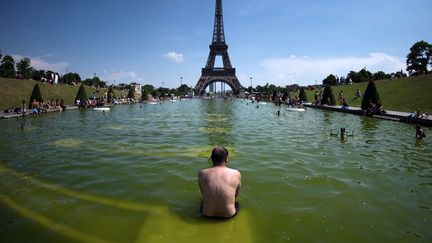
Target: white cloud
(120,76)
(41,64)
(306,70)
(176,57)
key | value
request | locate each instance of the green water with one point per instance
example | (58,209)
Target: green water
(129,175)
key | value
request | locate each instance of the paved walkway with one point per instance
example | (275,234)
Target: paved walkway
(28,112)
(398,116)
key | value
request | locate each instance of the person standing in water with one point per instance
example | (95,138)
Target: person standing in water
(219,186)
(420,134)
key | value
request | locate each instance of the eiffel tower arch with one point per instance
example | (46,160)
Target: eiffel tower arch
(218,47)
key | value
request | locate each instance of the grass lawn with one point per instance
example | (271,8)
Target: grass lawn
(13,91)
(405,94)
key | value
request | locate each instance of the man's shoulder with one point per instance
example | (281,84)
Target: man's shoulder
(234,171)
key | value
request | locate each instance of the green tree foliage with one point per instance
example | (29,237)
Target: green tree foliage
(24,69)
(174,92)
(131,93)
(7,67)
(328,97)
(95,81)
(70,78)
(269,89)
(361,76)
(419,58)
(37,74)
(145,94)
(81,95)
(183,90)
(302,95)
(147,90)
(163,92)
(370,95)
(36,95)
(380,75)
(330,80)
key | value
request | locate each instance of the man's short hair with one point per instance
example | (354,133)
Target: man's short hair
(219,155)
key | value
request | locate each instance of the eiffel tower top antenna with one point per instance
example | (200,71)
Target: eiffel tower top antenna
(211,74)
(218,31)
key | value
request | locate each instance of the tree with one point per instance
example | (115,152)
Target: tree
(131,93)
(328,97)
(147,90)
(302,95)
(145,95)
(37,74)
(81,95)
(380,75)
(365,75)
(70,78)
(95,81)
(36,95)
(7,67)
(370,95)
(183,90)
(361,76)
(24,69)
(419,58)
(330,80)
(163,92)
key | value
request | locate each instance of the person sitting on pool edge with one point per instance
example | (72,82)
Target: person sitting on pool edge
(219,186)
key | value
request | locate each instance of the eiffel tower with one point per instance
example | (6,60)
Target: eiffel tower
(211,74)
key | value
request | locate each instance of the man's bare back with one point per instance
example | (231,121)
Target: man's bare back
(219,186)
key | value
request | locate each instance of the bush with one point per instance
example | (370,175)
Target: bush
(36,95)
(302,95)
(371,94)
(328,97)
(81,95)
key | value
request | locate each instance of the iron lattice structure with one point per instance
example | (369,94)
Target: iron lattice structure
(210,74)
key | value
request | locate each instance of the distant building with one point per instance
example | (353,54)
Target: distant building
(137,90)
(136,87)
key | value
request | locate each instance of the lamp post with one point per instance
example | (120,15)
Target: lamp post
(181,81)
(251,85)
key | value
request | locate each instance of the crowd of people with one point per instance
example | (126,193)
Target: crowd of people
(38,107)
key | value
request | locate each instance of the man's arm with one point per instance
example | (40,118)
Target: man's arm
(199,181)
(238,187)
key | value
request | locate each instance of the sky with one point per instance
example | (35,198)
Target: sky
(166,42)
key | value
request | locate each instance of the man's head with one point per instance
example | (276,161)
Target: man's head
(219,155)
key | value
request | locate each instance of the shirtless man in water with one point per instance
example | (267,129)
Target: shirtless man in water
(219,186)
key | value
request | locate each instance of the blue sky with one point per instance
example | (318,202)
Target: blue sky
(274,41)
